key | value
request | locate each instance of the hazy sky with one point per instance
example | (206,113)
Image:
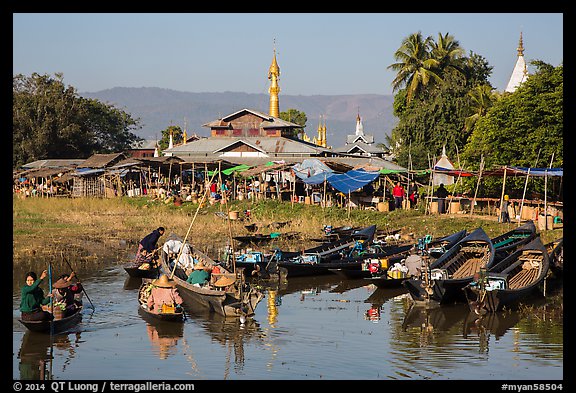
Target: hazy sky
(318,53)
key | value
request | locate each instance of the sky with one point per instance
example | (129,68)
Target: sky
(318,53)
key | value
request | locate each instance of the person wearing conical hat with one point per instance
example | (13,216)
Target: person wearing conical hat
(200,276)
(163,291)
(66,290)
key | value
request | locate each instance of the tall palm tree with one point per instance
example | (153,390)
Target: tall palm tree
(415,67)
(448,52)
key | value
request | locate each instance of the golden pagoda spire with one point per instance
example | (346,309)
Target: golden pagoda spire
(274,76)
(321,140)
(184,136)
(520,48)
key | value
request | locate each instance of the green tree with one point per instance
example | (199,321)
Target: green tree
(481,99)
(50,120)
(297,117)
(177,137)
(415,68)
(523,124)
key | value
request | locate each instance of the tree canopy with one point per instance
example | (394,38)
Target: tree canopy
(50,120)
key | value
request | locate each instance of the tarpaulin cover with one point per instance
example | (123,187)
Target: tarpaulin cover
(310,167)
(318,178)
(542,171)
(352,180)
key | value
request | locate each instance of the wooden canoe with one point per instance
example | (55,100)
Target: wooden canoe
(149,315)
(451,272)
(55,326)
(239,299)
(516,278)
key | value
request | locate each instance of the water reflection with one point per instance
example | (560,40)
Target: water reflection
(164,337)
(377,300)
(38,350)
(440,318)
(483,327)
(231,333)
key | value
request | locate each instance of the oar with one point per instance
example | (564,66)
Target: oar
(52,320)
(83,290)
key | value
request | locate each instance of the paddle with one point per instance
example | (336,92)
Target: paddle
(83,290)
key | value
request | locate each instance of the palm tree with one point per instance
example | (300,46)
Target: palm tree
(415,67)
(448,52)
(481,98)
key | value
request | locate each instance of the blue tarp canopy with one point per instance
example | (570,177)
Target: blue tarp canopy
(541,171)
(344,182)
(352,180)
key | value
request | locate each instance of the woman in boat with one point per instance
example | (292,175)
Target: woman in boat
(150,241)
(33,299)
(66,290)
(164,292)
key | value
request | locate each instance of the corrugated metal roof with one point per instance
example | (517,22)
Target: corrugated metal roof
(54,163)
(102,160)
(271,145)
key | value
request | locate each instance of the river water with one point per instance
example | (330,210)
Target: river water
(310,328)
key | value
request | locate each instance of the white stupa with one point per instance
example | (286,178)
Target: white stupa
(520,73)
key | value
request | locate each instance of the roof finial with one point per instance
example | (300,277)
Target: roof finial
(520,46)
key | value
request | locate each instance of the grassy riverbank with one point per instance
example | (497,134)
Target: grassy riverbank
(90,229)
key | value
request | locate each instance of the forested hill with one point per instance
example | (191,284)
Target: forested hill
(159,108)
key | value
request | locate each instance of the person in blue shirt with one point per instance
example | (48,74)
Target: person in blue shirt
(33,298)
(150,241)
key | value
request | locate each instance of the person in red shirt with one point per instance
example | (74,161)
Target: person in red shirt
(398,194)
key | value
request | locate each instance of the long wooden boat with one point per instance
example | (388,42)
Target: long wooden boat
(437,247)
(259,239)
(237,300)
(555,250)
(359,267)
(453,270)
(509,282)
(260,265)
(147,314)
(55,326)
(133,271)
(506,243)
(318,260)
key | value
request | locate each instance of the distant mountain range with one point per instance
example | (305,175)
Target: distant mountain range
(159,108)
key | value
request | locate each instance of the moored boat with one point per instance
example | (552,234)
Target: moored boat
(334,255)
(437,247)
(555,250)
(509,282)
(508,242)
(451,272)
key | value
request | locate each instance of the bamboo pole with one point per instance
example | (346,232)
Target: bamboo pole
(206,190)
(525,186)
(546,195)
(502,194)
(430,181)
(477,184)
